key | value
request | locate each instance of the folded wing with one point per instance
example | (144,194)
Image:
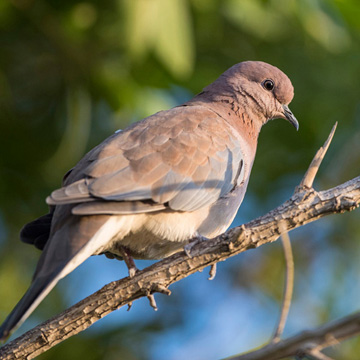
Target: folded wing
(185,158)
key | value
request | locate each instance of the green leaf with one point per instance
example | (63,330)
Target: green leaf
(261,19)
(324,25)
(164,27)
(174,38)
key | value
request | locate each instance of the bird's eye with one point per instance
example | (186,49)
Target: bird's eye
(268,84)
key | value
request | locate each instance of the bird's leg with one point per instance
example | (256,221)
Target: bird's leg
(188,247)
(129,261)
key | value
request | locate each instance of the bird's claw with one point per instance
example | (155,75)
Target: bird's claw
(188,247)
(133,271)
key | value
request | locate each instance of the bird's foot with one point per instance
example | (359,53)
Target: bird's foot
(129,261)
(194,241)
(190,245)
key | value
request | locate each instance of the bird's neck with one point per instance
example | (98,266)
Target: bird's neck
(232,108)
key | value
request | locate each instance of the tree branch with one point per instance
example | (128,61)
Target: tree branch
(309,342)
(302,208)
(309,177)
(288,287)
(305,206)
(306,183)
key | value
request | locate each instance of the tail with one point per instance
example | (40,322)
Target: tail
(71,245)
(37,232)
(39,288)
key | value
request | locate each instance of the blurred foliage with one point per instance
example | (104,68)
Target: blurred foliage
(71,73)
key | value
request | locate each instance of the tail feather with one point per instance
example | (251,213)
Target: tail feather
(59,258)
(39,288)
(37,232)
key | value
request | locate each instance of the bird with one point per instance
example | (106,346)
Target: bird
(145,191)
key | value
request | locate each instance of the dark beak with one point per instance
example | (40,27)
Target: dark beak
(290,117)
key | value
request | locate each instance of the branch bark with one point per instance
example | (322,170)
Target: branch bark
(302,208)
(309,342)
(305,206)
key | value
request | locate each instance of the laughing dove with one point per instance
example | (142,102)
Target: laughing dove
(145,191)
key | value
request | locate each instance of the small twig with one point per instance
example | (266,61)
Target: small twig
(150,294)
(302,346)
(306,184)
(152,301)
(161,289)
(308,179)
(289,284)
(317,355)
(212,272)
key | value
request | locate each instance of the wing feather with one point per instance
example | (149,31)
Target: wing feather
(184,158)
(116,208)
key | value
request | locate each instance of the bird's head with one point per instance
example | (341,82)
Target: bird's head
(263,88)
(269,89)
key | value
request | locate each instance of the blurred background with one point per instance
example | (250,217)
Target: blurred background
(71,73)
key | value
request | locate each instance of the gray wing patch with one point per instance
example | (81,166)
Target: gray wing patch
(116,208)
(224,170)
